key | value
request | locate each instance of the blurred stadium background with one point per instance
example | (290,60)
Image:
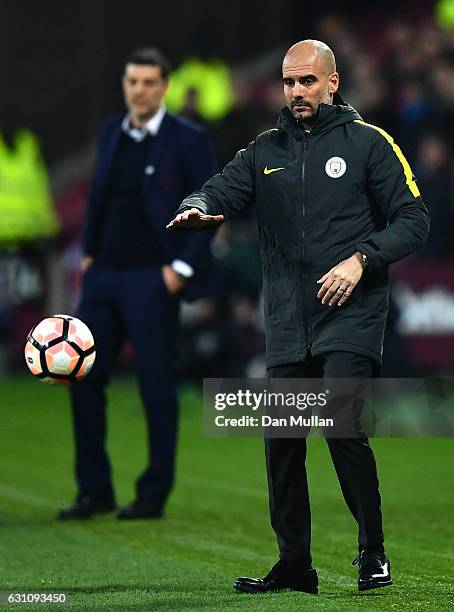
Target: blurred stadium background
(60,68)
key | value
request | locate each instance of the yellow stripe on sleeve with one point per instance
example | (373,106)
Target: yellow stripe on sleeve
(400,156)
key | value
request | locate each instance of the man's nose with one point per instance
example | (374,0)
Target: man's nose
(138,89)
(298,90)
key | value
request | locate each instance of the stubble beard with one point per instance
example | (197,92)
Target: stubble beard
(141,118)
(304,117)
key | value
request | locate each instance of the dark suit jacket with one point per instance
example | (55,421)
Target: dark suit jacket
(180,161)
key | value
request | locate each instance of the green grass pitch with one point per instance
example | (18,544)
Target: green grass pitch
(216,526)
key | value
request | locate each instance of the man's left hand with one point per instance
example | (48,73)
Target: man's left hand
(340,281)
(172,280)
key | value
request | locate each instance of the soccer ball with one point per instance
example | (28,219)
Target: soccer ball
(60,350)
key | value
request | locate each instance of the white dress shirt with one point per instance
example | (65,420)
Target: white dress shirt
(151,127)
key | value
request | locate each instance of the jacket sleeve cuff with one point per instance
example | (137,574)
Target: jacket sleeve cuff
(365,248)
(188,204)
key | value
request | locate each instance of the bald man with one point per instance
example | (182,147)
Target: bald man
(336,204)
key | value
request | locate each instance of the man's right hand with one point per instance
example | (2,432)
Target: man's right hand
(86,262)
(193,218)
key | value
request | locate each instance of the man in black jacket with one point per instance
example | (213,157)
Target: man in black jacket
(336,204)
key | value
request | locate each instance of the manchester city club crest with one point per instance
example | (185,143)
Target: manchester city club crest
(335,167)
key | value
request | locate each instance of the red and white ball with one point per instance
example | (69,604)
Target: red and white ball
(60,350)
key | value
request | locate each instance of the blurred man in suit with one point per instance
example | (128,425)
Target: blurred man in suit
(134,275)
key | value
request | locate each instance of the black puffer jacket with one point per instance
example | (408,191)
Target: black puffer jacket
(344,187)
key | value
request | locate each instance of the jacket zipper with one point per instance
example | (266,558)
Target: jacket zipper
(303,284)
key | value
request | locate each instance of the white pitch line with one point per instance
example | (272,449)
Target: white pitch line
(16,494)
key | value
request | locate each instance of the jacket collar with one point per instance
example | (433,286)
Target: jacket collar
(329,117)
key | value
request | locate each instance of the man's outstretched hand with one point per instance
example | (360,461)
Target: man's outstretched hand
(193,218)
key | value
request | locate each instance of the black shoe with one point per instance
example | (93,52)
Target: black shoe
(85,507)
(284,575)
(141,509)
(374,570)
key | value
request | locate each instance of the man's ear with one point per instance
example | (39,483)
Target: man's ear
(333,83)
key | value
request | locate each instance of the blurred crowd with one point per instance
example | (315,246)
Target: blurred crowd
(399,75)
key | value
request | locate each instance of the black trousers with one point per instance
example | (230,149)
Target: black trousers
(353,460)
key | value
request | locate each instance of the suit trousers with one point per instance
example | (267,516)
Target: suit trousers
(353,460)
(117,304)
